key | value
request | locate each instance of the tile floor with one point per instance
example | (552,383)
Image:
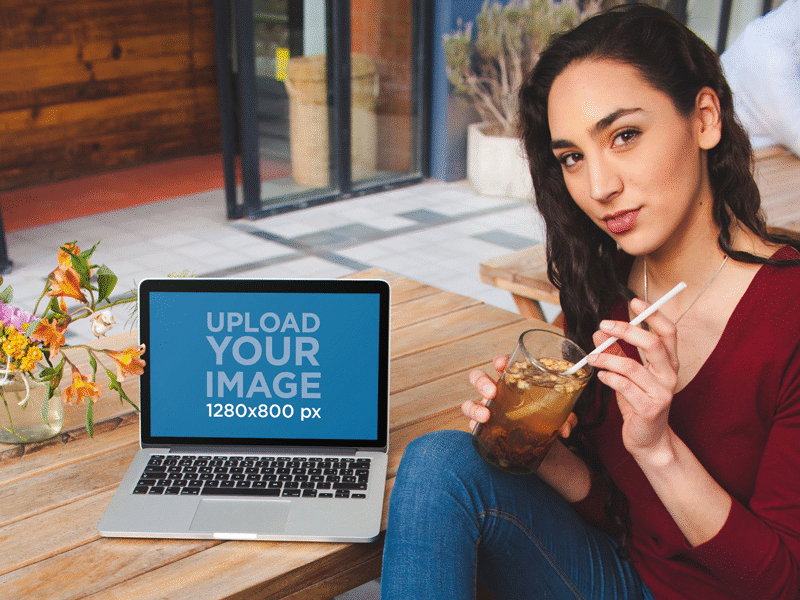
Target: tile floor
(434,232)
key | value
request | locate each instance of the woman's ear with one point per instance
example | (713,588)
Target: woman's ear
(709,118)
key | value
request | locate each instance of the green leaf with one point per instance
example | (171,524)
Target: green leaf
(46,405)
(32,327)
(81,265)
(57,374)
(106,282)
(93,363)
(116,386)
(87,254)
(7,295)
(54,307)
(90,418)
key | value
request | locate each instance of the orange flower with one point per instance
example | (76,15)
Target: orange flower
(128,361)
(64,259)
(65,281)
(51,334)
(81,389)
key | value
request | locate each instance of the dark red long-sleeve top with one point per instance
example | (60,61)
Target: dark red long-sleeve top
(740,416)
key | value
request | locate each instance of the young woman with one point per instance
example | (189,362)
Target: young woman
(680,475)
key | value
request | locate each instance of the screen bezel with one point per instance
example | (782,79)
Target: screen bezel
(190,285)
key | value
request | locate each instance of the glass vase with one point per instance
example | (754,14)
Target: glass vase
(26,413)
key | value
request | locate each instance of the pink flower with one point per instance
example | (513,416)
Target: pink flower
(11,315)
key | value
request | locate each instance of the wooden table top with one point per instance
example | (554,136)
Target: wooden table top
(53,494)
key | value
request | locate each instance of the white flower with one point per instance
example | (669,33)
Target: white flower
(102,322)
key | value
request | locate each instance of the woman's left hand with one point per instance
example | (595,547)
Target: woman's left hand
(644,391)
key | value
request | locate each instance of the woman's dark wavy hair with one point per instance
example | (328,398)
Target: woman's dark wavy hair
(581,258)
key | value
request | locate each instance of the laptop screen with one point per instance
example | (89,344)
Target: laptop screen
(265,362)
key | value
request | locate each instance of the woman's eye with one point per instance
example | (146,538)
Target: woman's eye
(625,137)
(570,159)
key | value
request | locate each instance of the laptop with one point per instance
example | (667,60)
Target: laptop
(264,412)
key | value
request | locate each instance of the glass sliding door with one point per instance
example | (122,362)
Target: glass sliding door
(385,78)
(292,104)
(328,99)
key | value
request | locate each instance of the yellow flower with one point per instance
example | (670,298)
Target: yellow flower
(15,345)
(81,389)
(128,361)
(33,356)
(51,334)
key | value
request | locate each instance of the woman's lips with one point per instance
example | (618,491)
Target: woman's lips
(622,221)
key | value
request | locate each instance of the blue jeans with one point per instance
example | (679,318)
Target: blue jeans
(454,519)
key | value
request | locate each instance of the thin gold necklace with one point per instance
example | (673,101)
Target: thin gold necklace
(696,298)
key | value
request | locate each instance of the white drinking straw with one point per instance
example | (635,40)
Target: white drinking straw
(641,317)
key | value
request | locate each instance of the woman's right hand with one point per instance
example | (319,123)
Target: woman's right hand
(475,410)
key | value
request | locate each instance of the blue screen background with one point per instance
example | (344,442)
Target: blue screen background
(181,356)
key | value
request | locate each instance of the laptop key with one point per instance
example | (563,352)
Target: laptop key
(207,491)
(358,495)
(141,489)
(291,493)
(349,486)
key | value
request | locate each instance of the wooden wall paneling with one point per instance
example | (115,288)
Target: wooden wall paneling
(91,85)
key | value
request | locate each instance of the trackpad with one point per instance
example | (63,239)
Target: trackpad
(241,516)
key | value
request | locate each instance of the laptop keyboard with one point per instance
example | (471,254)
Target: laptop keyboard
(286,476)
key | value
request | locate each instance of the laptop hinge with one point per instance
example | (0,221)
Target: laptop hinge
(255,450)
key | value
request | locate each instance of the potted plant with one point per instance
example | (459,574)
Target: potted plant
(35,357)
(489,69)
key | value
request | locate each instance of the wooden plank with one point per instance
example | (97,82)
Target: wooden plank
(98,565)
(25,498)
(97,154)
(48,458)
(111,109)
(462,355)
(431,307)
(448,329)
(233,570)
(81,91)
(523,273)
(403,289)
(341,582)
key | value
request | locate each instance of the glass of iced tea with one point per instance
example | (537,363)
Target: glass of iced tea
(533,401)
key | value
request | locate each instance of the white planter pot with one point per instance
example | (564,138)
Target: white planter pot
(497,165)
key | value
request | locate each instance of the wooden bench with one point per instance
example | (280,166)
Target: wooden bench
(524,273)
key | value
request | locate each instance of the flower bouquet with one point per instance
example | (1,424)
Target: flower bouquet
(32,357)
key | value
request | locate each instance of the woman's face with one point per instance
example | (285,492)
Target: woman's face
(630,160)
